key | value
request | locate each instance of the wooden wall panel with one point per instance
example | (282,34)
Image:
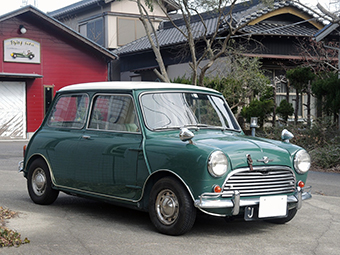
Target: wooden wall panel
(64,61)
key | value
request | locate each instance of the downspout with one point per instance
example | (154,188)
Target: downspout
(109,62)
(109,71)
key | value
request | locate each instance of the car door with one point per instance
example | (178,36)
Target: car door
(61,134)
(111,161)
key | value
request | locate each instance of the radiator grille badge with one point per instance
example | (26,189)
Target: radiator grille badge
(265,160)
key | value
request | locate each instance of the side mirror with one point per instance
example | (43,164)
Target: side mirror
(286,136)
(186,135)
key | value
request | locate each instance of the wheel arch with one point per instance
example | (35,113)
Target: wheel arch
(156,176)
(34,158)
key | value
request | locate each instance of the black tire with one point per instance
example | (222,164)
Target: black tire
(171,208)
(291,214)
(39,183)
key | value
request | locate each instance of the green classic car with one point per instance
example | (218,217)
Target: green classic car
(28,54)
(169,149)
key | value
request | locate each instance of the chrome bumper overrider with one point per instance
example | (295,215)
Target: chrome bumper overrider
(21,166)
(216,201)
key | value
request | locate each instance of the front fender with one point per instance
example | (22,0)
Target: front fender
(185,160)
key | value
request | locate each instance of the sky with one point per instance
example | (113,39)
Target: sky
(51,5)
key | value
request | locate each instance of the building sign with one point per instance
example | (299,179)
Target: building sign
(21,50)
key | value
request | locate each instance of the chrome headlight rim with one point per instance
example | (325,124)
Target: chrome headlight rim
(217,164)
(302,162)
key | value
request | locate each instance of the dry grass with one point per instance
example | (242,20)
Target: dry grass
(9,237)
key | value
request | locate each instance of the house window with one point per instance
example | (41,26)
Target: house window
(129,30)
(94,30)
(280,81)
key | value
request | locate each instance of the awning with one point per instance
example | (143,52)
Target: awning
(21,75)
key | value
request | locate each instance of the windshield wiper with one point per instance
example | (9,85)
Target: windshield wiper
(167,127)
(196,125)
(207,126)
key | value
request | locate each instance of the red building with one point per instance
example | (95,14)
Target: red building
(39,56)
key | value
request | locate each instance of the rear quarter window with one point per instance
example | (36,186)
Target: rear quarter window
(69,111)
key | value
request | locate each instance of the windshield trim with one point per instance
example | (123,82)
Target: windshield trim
(190,126)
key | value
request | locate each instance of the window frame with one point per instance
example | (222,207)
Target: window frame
(84,121)
(83,29)
(92,108)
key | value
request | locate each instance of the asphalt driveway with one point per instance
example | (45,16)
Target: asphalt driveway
(79,226)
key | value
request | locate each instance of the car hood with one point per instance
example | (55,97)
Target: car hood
(262,151)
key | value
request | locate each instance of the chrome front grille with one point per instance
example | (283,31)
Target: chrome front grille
(259,182)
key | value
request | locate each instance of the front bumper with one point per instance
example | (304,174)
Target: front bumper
(21,166)
(215,204)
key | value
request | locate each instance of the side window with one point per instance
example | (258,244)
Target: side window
(113,113)
(69,111)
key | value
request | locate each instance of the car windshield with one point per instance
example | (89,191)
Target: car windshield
(174,110)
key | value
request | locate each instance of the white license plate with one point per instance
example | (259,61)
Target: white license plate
(273,206)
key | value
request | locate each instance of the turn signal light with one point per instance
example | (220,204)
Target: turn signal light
(24,150)
(217,189)
(301,184)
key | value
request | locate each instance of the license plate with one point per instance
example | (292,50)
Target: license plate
(273,206)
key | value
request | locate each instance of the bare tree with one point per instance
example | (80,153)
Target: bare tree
(196,30)
(221,11)
(151,34)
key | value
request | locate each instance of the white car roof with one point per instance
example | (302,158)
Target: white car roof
(131,85)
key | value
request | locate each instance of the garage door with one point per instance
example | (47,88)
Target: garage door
(12,110)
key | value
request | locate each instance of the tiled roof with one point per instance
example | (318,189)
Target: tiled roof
(73,7)
(87,3)
(168,35)
(279,29)
(260,9)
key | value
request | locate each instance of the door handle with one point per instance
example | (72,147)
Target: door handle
(87,137)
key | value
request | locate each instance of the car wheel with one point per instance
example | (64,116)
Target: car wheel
(171,208)
(14,55)
(291,214)
(39,183)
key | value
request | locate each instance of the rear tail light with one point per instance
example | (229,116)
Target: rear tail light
(24,150)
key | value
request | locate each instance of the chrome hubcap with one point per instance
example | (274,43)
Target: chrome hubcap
(39,181)
(167,207)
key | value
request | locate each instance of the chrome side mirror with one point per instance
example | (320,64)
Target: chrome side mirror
(186,135)
(286,136)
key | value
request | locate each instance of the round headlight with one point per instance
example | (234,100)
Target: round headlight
(217,164)
(302,161)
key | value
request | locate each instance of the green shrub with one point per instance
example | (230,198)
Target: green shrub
(326,157)
(285,109)
(322,141)
(256,108)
